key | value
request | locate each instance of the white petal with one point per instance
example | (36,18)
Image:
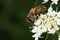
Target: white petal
(54,1)
(43,16)
(59,37)
(56,27)
(45,1)
(58,14)
(52,31)
(58,21)
(34,30)
(36,38)
(50,9)
(38,22)
(35,35)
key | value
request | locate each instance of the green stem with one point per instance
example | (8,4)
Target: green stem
(46,36)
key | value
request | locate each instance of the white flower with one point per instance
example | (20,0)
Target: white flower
(59,37)
(58,21)
(37,30)
(56,27)
(44,29)
(51,11)
(42,16)
(54,1)
(58,14)
(51,31)
(45,1)
(37,22)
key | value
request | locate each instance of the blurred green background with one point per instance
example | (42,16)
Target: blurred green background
(13,25)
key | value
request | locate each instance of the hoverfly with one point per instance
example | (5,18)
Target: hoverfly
(35,12)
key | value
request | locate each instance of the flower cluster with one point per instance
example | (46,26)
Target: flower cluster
(46,23)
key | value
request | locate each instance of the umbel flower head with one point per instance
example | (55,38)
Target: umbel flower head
(48,22)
